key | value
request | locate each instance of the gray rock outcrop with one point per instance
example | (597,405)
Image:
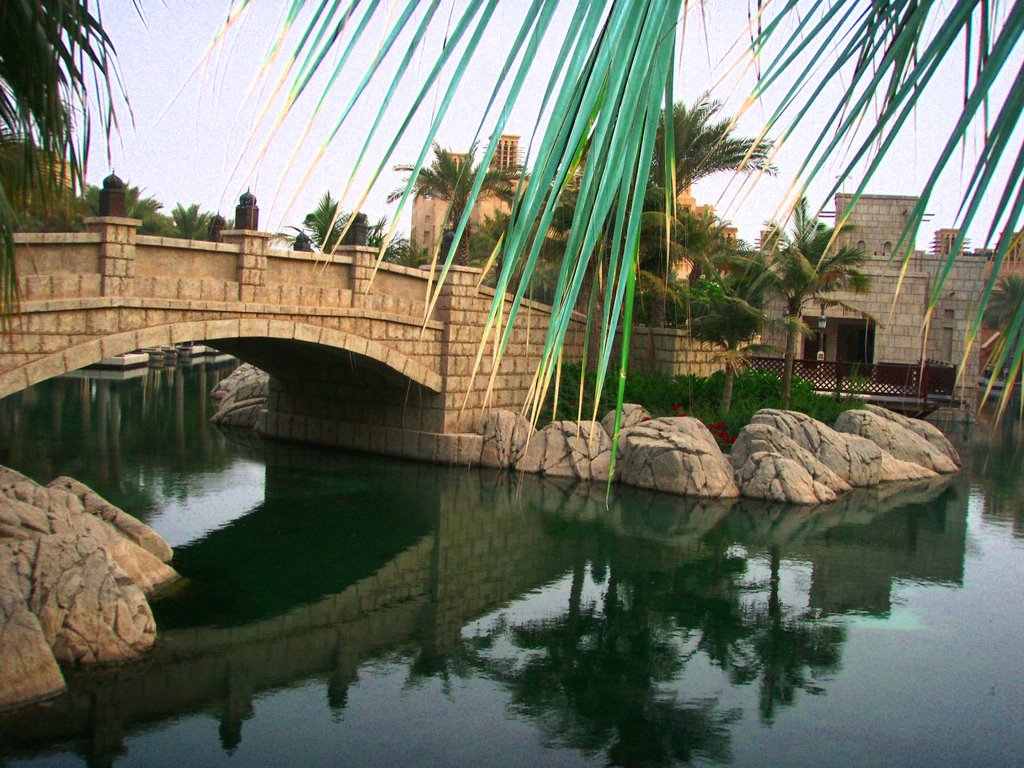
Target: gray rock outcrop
(632,415)
(757,437)
(505,436)
(674,455)
(241,397)
(773,477)
(855,459)
(895,439)
(74,575)
(90,610)
(582,450)
(28,669)
(922,429)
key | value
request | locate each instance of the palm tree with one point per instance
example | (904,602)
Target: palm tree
(324,225)
(55,58)
(1001,314)
(704,145)
(727,310)
(1005,302)
(809,269)
(191,223)
(450,177)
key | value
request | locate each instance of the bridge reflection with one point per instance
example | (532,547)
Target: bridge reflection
(329,574)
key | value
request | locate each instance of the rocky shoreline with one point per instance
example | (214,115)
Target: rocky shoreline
(75,575)
(781,456)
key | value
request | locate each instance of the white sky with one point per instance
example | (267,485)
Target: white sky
(193,116)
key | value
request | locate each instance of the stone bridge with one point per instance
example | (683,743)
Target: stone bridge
(354,362)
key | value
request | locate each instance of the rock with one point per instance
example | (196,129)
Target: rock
(632,415)
(675,455)
(74,574)
(929,432)
(754,438)
(241,397)
(898,470)
(505,436)
(128,526)
(51,510)
(772,476)
(89,610)
(29,670)
(895,439)
(856,460)
(581,450)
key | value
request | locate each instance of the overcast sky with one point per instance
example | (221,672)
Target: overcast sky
(194,133)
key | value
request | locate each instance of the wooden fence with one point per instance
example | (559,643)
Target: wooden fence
(896,380)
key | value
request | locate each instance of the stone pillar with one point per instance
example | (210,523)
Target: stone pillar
(364,262)
(459,307)
(252,260)
(117,252)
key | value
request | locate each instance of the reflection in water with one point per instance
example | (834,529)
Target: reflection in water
(370,612)
(142,441)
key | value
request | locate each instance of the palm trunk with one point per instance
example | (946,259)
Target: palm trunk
(730,377)
(787,368)
(593,311)
(659,308)
(462,252)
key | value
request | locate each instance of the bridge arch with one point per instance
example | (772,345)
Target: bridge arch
(93,351)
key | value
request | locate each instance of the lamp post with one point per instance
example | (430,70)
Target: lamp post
(821,336)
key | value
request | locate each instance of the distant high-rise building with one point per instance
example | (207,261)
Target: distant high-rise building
(428,214)
(507,153)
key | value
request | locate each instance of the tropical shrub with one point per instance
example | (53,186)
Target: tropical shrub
(696,396)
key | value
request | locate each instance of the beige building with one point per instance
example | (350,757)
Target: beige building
(895,331)
(428,213)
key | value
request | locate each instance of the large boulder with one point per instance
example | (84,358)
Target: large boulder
(28,670)
(128,526)
(241,397)
(74,574)
(675,455)
(759,437)
(582,450)
(773,477)
(923,429)
(895,439)
(30,510)
(506,434)
(632,415)
(855,459)
(90,611)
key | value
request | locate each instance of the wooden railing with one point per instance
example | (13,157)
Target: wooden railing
(904,380)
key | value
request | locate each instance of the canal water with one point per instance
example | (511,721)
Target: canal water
(340,609)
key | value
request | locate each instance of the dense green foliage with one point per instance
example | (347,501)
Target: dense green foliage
(696,396)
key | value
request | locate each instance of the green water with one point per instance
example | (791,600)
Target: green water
(342,609)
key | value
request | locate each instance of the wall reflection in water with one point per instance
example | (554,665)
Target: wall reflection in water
(585,618)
